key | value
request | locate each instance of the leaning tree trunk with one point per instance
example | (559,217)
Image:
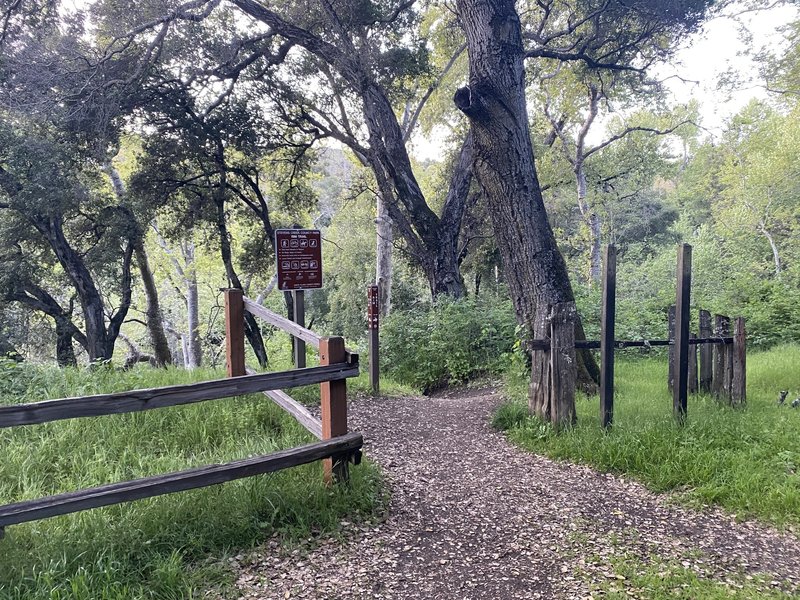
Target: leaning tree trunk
(251,329)
(155,324)
(504,165)
(384,266)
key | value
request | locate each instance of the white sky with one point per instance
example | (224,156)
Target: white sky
(717,48)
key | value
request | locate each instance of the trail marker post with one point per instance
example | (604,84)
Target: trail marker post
(373,323)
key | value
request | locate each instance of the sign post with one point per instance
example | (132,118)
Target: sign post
(373,318)
(298,255)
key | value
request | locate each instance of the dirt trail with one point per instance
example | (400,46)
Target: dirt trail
(473,517)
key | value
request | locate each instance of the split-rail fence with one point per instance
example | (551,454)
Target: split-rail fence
(336,447)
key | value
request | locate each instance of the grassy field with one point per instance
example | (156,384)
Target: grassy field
(747,460)
(174,546)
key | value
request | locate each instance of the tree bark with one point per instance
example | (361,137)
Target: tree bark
(504,165)
(155,326)
(194,350)
(65,353)
(776,257)
(384,270)
(251,329)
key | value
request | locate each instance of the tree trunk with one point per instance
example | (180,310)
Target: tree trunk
(97,345)
(432,240)
(384,265)
(65,353)
(776,257)
(504,165)
(595,260)
(251,329)
(194,350)
(155,326)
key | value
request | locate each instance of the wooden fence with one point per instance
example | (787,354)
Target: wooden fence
(721,372)
(336,447)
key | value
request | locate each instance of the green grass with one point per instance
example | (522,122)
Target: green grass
(174,546)
(659,580)
(746,460)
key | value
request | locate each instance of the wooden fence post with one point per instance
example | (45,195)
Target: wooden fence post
(607,336)
(671,348)
(563,365)
(300,319)
(722,328)
(706,351)
(692,365)
(539,396)
(681,380)
(333,400)
(373,322)
(234,332)
(739,352)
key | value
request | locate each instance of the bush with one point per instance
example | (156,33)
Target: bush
(451,341)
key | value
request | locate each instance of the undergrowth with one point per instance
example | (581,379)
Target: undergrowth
(172,546)
(746,460)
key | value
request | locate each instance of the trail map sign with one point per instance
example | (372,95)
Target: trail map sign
(299,259)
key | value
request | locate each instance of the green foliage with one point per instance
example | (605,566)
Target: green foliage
(163,548)
(744,460)
(448,342)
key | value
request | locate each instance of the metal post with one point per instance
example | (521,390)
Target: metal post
(300,319)
(682,299)
(373,322)
(607,336)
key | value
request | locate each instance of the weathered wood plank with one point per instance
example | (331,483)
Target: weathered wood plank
(607,317)
(294,408)
(671,355)
(706,372)
(722,328)
(739,358)
(282,323)
(693,384)
(333,402)
(234,332)
(158,485)
(563,365)
(682,298)
(539,394)
(148,399)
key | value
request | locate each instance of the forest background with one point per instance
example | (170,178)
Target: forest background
(148,153)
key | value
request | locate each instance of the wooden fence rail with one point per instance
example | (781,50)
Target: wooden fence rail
(336,448)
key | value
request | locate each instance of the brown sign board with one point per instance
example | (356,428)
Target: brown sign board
(373,307)
(299,259)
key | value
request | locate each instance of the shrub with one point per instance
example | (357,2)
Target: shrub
(450,341)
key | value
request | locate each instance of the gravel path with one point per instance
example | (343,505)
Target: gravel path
(472,517)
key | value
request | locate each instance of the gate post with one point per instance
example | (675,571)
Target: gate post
(681,374)
(234,332)
(333,400)
(607,337)
(373,322)
(739,382)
